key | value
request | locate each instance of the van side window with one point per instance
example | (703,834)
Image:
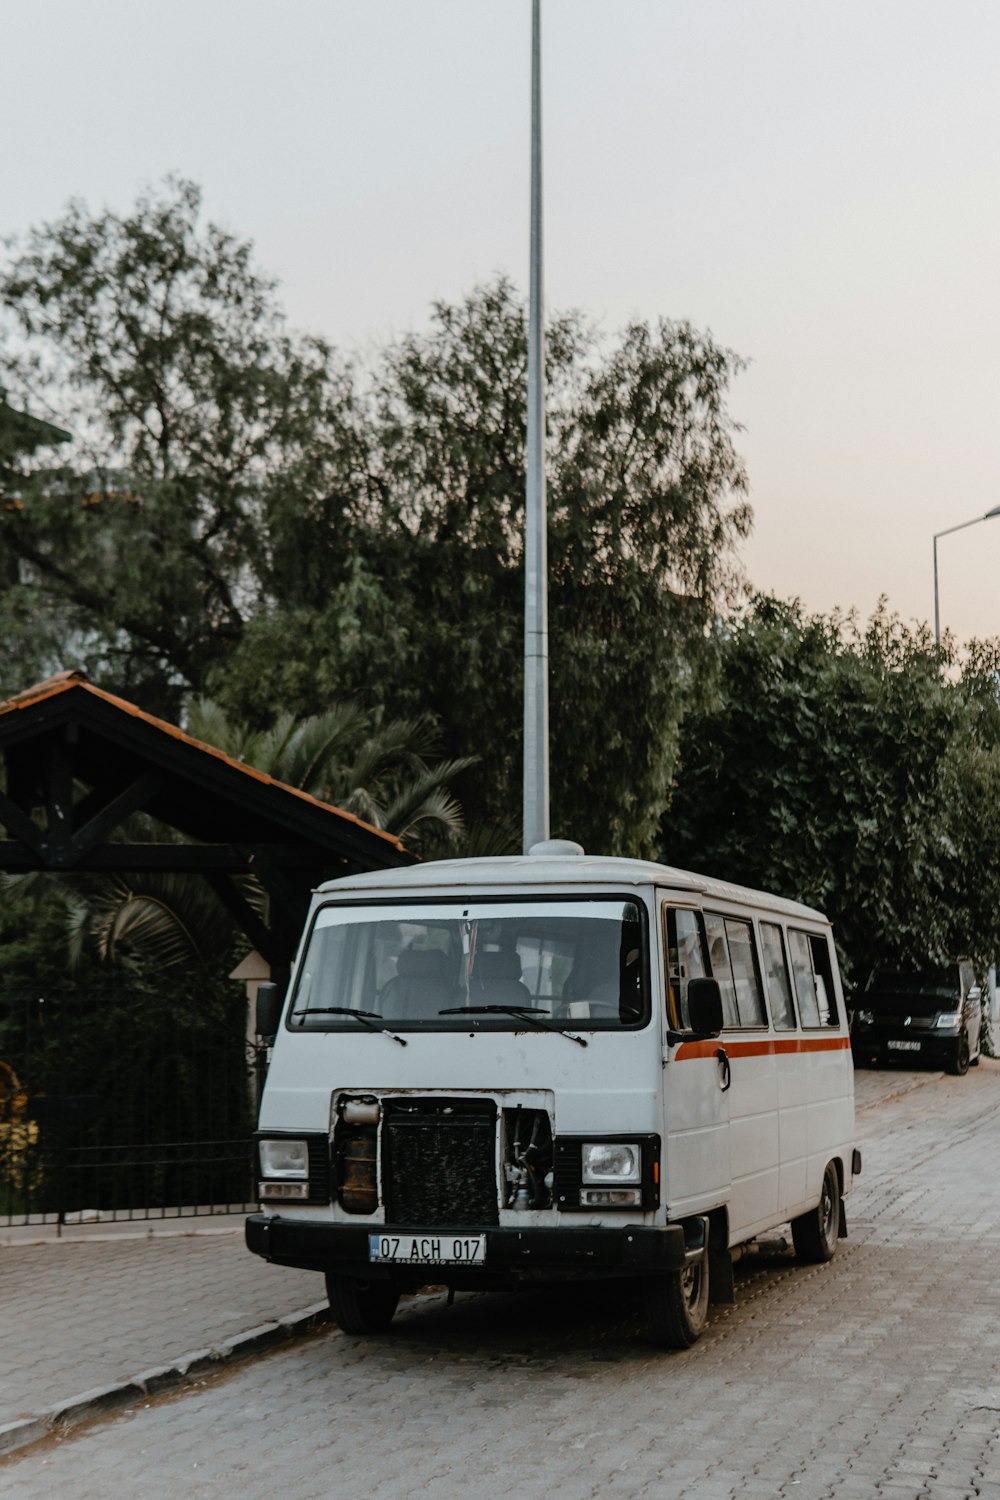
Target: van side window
(686,959)
(746,973)
(779,988)
(734,965)
(718,952)
(810,955)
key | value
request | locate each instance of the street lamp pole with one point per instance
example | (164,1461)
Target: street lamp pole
(536,625)
(947,532)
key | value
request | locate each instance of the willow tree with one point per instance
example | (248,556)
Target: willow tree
(422,609)
(247,514)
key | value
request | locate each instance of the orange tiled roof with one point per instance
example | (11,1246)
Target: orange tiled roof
(63,682)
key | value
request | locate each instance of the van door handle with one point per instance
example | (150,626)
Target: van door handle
(727,1072)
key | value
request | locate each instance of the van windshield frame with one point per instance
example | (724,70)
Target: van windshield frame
(581,961)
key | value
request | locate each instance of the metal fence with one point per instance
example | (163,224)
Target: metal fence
(116,1104)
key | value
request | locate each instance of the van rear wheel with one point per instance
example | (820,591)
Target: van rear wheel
(814,1234)
(676,1305)
(361,1306)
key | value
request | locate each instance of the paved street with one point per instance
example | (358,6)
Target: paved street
(878,1374)
(82,1313)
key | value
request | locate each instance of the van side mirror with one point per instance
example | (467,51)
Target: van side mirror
(268,1015)
(705,1006)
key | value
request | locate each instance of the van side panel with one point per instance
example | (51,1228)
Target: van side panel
(828,1075)
(753,1133)
(696,1137)
(793,1128)
(696,1175)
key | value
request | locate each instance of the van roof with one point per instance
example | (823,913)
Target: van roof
(593,871)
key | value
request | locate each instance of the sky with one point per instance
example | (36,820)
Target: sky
(814,183)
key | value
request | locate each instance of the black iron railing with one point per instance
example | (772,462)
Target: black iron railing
(116,1104)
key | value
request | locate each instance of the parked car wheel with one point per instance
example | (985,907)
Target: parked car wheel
(960,1059)
(361,1306)
(815,1234)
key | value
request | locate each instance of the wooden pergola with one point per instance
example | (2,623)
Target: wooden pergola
(79,762)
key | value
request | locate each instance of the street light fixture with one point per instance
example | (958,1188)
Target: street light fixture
(947,532)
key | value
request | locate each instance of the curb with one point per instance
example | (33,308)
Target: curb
(194,1366)
(13,1236)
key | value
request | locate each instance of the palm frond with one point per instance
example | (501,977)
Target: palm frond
(148,923)
(172,919)
(407,807)
(488,840)
(206,720)
(318,742)
(364,805)
(79,923)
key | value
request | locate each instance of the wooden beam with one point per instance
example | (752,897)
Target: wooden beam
(292,899)
(97,827)
(248,920)
(23,827)
(58,785)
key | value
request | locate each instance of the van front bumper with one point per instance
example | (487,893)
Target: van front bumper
(511,1254)
(938,1046)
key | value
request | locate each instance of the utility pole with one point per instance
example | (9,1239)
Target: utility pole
(536,623)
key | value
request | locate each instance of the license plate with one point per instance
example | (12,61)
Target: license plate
(903,1046)
(428,1249)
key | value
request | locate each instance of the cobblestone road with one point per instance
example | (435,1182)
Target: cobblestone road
(876,1375)
(77,1316)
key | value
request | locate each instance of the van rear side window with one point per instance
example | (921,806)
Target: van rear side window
(779,987)
(734,965)
(810,955)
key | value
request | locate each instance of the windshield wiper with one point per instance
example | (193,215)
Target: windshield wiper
(366,1017)
(528,1013)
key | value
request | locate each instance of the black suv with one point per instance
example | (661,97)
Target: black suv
(934,1016)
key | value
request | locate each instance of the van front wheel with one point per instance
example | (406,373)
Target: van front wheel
(360,1306)
(676,1305)
(960,1060)
(815,1234)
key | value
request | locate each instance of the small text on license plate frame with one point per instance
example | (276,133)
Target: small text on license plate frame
(427,1249)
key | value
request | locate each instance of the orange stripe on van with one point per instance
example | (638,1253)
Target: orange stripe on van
(765,1047)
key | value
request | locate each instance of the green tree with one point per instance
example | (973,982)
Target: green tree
(245,515)
(164,350)
(425,608)
(840,766)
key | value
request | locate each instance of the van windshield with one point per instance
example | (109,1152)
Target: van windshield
(932,984)
(474,966)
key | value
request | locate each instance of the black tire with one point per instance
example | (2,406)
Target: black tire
(676,1305)
(959,1061)
(360,1306)
(814,1234)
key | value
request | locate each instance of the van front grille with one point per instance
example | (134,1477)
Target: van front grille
(439,1162)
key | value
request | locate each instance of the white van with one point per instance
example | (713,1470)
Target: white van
(552,1067)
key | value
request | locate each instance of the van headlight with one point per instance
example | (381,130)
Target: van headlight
(949,1018)
(284,1171)
(620,1172)
(608,1170)
(281,1158)
(611,1163)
